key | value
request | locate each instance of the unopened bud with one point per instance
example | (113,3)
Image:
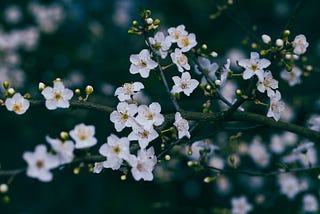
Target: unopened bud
(149,21)
(41,86)
(209,179)
(4,188)
(279,42)
(266,38)
(27,96)
(309,67)
(76,170)
(238,92)
(156,22)
(254,45)
(57,80)
(6,84)
(64,135)
(286,33)
(208,87)
(89,89)
(135,23)
(123,177)
(167,157)
(217,82)
(11,91)
(77,92)
(214,54)
(204,46)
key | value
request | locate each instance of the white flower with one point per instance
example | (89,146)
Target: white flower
(266,38)
(289,185)
(314,122)
(116,150)
(64,149)
(142,63)
(40,163)
(187,42)
(17,103)
(200,148)
(254,66)
(123,116)
(182,126)
(161,44)
(240,205)
(267,84)
(149,116)
(184,84)
(143,164)
(303,148)
(208,68)
(176,33)
(180,60)
(83,136)
(276,106)
(300,44)
(98,166)
(310,203)
(292,77)
(58,96)
(143,136)
(224,73)
(128,90)
(259,153)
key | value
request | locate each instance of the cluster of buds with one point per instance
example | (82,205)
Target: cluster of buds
(147,24)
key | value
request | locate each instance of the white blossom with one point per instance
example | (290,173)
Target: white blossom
(64,149)
(143,164)
(176,33)
(300,44)
(83,135)
(254,66)
(149,116)
(292,77)
(310,203)
(123,116)
(266,38)
(17,103)
(314,122)
(186,42)
(180,60)
(207,68)
(115,150)
(142,135)
(267,84)
(289,185)
(142,63)
(276,106)
(161,44)
(58,96)
(184,84)
(40,163)
(98,167)
(182,126)
(128,90)
(240,205)
(259,153)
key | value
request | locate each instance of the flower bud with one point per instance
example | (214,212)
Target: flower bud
(266,39)
(6,84)
(217,82)
(135,23)
(41,86)
(4,188)
(279,42)
(11,91)
(57,80)
(77,92)
(149,21)
(286,33)
(214,54)
(89,89)
(204,47)
(64,135)
(156,22)
(27,96)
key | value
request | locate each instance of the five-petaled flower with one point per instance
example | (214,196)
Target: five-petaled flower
(268,84)
(142,63)
(126,91)
(149,116)
(58,96)
(40,163)
(182,126)
(300,44)
(180,60)
(83,135)
(123,116)
(17,103)
(184,84)
(276,106)
(254,66)
(64,149)
(161,44)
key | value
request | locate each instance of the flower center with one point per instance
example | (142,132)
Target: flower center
(185,41)
(17,107)
(116,149)
(150,116)
(124,117)
(57,96)
(40,164)
(144,134)
(254,67)
(182,60)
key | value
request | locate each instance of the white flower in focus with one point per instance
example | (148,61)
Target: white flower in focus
(40,162)
(98,167)
(161,44)
(240,205)
(149,116)
(83,136)
(276,106)
(143,136)
(142,63)
(176,33)
(115,150)
(180,60)
(17,103)
(182,126)
(292,77)
(127,91)
(289,185)
(58,96)
(123,116)
(300,44)
(310,203)
(143,164)
(184,84)
(267,84)
(254,66)
(187,42)
(64,149)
